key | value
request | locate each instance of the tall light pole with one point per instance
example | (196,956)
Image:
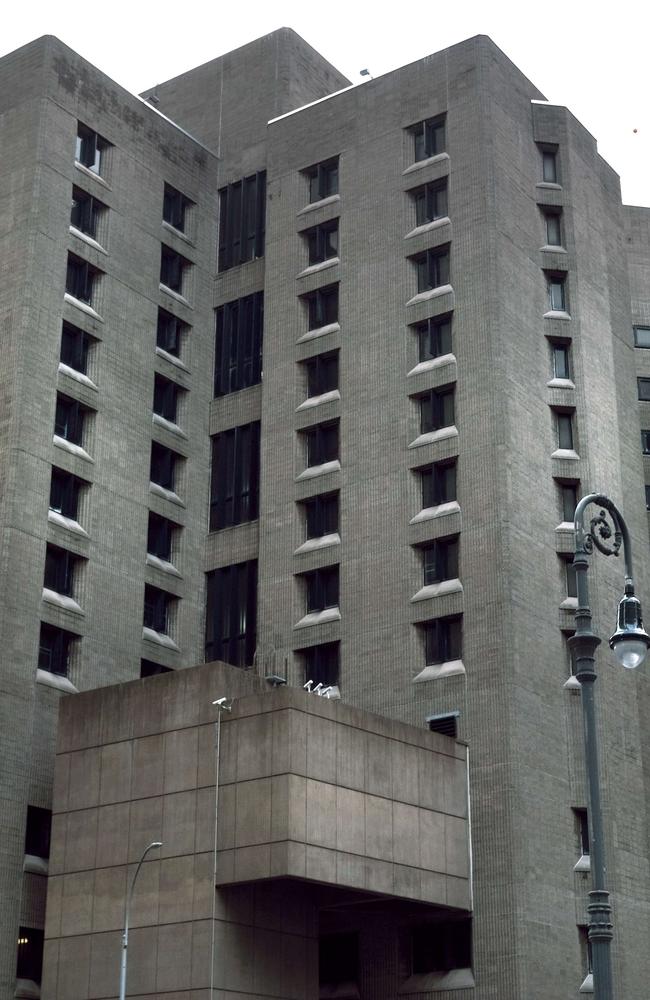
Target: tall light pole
(127,908)
(223,705)
(630,644)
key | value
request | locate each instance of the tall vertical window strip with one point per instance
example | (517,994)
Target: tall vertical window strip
(242,210)
(235,476)
(231,615)
(238,355)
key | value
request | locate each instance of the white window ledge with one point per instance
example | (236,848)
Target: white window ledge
(74,449)
(319,470)
(88,239)
(318,617)
(569,604)
(177,232)
(552,248)
(432,364)
(90,173)
(35,865)
(162,564)
(428,226)
(78,376)
(167,494)
(437,590)
(583,864)
(313,544)
(55,681)
(566,453)
(452,507)
(54,517)
(572,684)
(158,637)
(168,425)
(321,266)
(561,383)
(431,436)
(431,293)
(320,331)
(325,397)
(549,185)
(565,526)
(321,203)
(435,670)
(424,982)
(587,984)
(61,601)
(174,295)
(162,353)
(27,989)
(83,306)
(438,158)
(557,314)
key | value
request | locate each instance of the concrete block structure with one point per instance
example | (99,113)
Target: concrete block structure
(312,376)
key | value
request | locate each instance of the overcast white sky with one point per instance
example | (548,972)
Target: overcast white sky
(590,56)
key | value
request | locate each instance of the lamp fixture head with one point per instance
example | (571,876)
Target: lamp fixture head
(630,642)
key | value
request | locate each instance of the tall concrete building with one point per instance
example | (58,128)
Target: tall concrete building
(312,375)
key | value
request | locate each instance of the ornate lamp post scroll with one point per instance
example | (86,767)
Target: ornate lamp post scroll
(630,644)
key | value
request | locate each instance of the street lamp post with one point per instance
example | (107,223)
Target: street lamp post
(630,644)
(127,908)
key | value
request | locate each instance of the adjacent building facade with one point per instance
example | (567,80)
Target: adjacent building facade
(312,376)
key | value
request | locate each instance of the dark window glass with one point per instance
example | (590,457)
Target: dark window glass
(234,490)
(322,515)
(69,419)
(647,497)
(175,206)
(160,533)
(322,373)
(442,640)
(231,617)
(553,229)
(55,646)
(163,466)
(642,336)
(242,209)
(432,269)
(59,570)
(238,355)
(323,306)
(429,137)
(434,337)
(64,493)
(436,409)
(157,605)
(440,560)
(438,947)
(37,832)
(438,484)
(643,385)
(556,293)
(323,179)
(569,498)
(165,398)
(85,212)
(150,669)
(430,202)
(323,241)
(81,278)
(446,725)
(549,166)
(582,829)
(89,148)
(571,583)
(321,663)
(75,344)
(645,442)
(172,269)
(561,367)
(322,588)
(338,959)
(29,963)
(169,331)
(565,431)
(322,443)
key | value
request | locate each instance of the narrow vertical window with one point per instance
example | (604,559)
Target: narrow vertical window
(238,355)
(231,615)
(235,476)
